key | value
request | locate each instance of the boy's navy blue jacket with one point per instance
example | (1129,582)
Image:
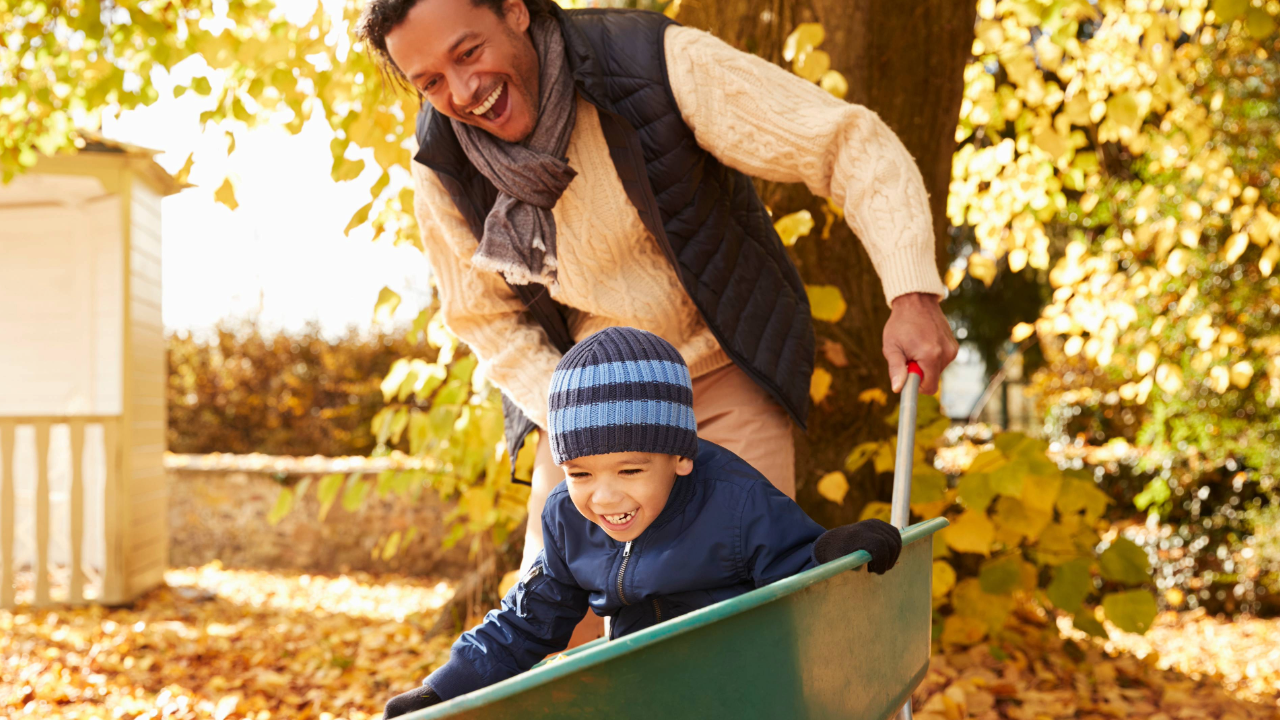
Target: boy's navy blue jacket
(725,530)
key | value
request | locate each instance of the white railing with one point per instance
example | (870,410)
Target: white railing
(56,480)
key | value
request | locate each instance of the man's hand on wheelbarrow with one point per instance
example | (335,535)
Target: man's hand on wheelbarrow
(917,330)
(880,539)
(416,699)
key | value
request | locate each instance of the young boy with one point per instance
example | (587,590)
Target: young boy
(649,524)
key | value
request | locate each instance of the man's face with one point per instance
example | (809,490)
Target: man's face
(623,492)
(470,64)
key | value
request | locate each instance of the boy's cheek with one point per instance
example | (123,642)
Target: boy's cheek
(582,507)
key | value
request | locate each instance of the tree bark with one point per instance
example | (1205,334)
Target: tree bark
(905,60)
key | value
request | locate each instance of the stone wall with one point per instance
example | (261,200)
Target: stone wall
(222,515)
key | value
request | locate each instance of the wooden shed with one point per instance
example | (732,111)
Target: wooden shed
(83,494)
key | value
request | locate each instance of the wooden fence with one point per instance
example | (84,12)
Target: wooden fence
(59,487)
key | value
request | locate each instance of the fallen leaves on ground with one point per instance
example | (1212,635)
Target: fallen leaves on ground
(1187,667)
(232,644)
(222,645)
(1242,654)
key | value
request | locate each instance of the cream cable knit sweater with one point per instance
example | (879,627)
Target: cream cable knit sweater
(752,116)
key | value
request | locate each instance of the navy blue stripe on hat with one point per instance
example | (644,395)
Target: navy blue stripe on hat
(616,392)
(621,390)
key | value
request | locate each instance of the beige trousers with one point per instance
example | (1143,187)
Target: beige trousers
(732,411)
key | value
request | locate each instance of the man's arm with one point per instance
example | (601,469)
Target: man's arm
(479,307)
(764,121)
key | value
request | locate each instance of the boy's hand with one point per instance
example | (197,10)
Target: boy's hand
(880,539)
(415,699)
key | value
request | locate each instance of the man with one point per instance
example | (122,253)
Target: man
(586,169)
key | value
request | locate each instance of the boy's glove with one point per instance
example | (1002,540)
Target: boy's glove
(880,539)
(415,699)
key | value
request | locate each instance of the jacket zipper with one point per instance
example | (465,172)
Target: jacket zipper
(657,610)
(626,555)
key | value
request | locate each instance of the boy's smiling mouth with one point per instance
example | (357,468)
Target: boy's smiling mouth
(619,521)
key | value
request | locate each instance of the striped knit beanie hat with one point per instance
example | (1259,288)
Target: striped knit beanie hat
(622,390)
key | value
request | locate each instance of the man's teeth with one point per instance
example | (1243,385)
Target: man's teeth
(620,519)
(489,101)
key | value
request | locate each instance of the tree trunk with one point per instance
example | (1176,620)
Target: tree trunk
(905,60)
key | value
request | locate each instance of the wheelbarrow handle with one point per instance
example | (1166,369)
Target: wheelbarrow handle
(900,512)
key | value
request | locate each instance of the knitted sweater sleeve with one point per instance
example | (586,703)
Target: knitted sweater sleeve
(514,352)
(769,123)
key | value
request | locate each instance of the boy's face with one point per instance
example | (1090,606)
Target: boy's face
(623,492)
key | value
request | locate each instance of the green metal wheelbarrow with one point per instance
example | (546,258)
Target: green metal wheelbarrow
(828,643)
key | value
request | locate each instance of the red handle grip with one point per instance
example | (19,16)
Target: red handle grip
(914,368)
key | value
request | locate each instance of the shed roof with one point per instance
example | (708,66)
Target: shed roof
(143,160)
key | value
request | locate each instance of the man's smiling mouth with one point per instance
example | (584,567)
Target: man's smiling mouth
(484,107)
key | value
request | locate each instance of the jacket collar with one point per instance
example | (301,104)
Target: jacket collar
(682,492)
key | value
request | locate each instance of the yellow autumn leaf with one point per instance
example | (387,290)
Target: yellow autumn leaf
(812,64)
(884,459)
(955,275)
(982,268)
(826,302)
(1147,358)
(1018,259)
(385,307)
(1073,346)
(860,455)
(972,532)
(793,226)
(1241,374)
(226,194)
(819,384)
(1259,23)
(873,395)
(1235,247)
(184,173)
(1052,142)
(1022,331)
(944,578)
(805,37)
(835,83)
(877,510)
(962,630)
(834,486)
(1169,378)
(1219,379)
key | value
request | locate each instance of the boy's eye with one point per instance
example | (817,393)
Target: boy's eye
(631,471)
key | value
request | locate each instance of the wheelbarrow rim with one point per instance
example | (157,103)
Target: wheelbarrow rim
(696,619)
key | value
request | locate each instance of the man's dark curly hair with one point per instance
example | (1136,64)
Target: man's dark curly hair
(380,17)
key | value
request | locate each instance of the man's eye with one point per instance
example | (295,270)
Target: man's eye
(467,55)
(429,86)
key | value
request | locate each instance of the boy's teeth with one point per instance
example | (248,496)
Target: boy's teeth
(619,519)
(488,102)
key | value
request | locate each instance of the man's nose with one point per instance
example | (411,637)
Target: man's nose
(464,86)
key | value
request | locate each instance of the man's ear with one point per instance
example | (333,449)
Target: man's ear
(516,14)
(684,465)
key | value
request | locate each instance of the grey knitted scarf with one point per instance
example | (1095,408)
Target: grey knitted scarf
(520,234)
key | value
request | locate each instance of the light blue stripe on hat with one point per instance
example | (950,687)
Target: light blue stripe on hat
(625,371)
(623,412)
